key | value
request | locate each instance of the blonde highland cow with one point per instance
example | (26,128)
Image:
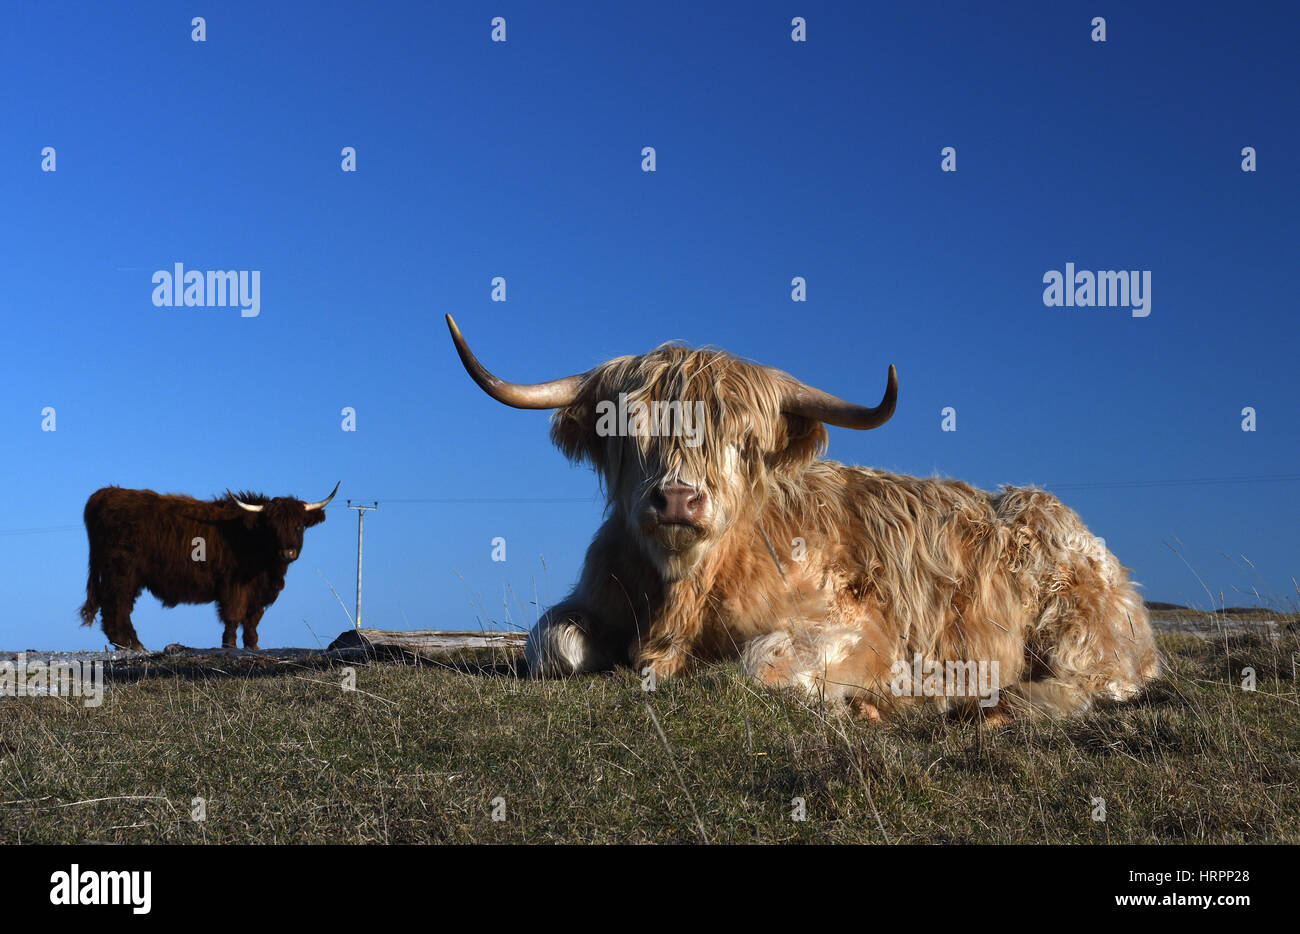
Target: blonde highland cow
(727,536)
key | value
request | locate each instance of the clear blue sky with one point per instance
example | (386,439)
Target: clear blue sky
(522,160)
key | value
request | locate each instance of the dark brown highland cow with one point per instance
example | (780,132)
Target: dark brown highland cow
(233,550)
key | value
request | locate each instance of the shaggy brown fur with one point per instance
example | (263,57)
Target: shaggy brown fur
(824,576)
(142,540)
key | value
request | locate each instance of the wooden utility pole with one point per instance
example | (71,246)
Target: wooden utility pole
(361,513)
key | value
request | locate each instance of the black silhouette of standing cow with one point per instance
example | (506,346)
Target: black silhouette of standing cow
(231,550)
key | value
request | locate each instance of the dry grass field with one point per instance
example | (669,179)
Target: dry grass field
(423,752)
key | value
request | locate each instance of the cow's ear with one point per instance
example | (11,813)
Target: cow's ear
(804,440)
(573,432)
(315,517)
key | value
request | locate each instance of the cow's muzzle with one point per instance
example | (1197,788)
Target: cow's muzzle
(289,554)
(679,504)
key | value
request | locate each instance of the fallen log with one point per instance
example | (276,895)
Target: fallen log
(427,643)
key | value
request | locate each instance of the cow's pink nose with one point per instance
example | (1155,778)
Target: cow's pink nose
(289,554)
(678,502)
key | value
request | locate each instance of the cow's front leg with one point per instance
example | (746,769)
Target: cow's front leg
(568,641)
(252,616)
(665,657)
(673,644)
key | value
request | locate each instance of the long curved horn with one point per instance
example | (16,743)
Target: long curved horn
(802,399)
(323,503)
(554,394)
(251,507)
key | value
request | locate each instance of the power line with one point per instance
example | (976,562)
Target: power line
(494,500)
(1195,481)
(520,500)
(450,501)
(39,531)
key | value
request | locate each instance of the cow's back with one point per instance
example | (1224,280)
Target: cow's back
(114,515)
(152,534)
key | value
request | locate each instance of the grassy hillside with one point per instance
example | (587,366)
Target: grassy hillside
(418,753)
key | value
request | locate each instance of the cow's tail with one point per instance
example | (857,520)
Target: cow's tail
(91,606)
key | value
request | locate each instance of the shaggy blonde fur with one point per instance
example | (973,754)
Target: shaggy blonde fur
(826,577)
